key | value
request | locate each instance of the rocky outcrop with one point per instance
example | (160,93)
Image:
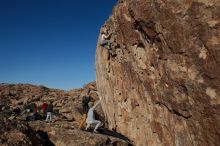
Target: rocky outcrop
(62,131)
(67,134)
(66,103)
(162,87)
(18,133)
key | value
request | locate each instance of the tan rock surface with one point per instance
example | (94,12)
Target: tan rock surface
(163,86)
(63,131)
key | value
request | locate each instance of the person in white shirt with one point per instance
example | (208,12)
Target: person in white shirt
(91,118)
(104,41)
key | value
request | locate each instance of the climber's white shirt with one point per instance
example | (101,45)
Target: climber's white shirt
(103,37)
(90,115)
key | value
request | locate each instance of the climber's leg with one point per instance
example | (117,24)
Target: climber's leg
(87,126)
(106,44)
(97,123)
(110,51)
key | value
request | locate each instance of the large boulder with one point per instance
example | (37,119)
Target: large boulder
(162,87)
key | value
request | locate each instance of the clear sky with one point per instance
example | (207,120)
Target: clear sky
(50,42)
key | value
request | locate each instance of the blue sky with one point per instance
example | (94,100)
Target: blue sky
(50,42)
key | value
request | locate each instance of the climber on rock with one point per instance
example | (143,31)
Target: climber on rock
(105,42)
(91,118)
(49,111)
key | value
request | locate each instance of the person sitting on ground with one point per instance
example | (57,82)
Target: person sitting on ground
(85,106)
(49,111)
(91,118)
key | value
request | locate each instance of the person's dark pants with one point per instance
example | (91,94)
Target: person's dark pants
(44,113)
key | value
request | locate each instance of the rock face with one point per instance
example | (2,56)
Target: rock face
(163,86)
